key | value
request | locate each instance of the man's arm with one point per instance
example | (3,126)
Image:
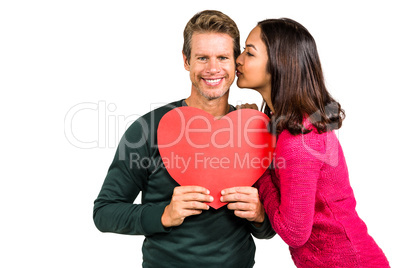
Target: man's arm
(114,210)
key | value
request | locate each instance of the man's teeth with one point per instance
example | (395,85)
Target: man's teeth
(213,81)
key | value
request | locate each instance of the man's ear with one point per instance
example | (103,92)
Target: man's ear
(186,63)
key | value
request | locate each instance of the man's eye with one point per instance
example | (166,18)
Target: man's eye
(202,58)
(223,58)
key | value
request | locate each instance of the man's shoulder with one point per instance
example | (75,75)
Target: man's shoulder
(159,112)
(152,118)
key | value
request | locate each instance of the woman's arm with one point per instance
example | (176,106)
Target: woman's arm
(291,209)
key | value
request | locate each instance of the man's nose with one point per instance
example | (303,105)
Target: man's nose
(213,66)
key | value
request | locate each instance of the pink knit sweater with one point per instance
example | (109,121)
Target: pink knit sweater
(310,203)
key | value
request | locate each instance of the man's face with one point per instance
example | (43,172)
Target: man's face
(212,64)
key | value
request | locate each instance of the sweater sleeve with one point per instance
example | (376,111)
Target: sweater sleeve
(114,210)
(265,231)
(291,208)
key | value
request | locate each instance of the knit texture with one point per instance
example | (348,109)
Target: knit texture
(310,203)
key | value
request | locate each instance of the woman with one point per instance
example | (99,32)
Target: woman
(308,197)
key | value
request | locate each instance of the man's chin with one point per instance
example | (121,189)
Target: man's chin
(213,95)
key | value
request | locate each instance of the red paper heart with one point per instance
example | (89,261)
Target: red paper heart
(198,150)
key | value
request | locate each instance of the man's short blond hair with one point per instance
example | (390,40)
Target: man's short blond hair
(211,21)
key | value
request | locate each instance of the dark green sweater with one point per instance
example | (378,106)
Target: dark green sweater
(215,238)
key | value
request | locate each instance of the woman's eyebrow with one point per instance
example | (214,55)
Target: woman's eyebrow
(251,45)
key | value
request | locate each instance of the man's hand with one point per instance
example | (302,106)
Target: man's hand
(186,201)
(245,202)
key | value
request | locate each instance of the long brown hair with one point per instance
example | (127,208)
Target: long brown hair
(298,89)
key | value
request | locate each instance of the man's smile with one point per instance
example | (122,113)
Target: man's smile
(213,81)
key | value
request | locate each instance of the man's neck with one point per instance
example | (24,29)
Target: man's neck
(216,107)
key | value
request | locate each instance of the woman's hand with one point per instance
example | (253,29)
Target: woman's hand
(247,106)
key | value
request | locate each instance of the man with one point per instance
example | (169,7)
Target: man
(180,228)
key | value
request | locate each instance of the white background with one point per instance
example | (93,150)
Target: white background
(123,58)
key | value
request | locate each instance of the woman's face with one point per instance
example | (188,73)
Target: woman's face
(252,66)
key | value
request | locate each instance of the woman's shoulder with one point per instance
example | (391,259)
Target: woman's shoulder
(305,142)
(318,147)
(311,137)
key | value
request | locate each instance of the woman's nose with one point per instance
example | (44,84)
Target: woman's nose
(239,60)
